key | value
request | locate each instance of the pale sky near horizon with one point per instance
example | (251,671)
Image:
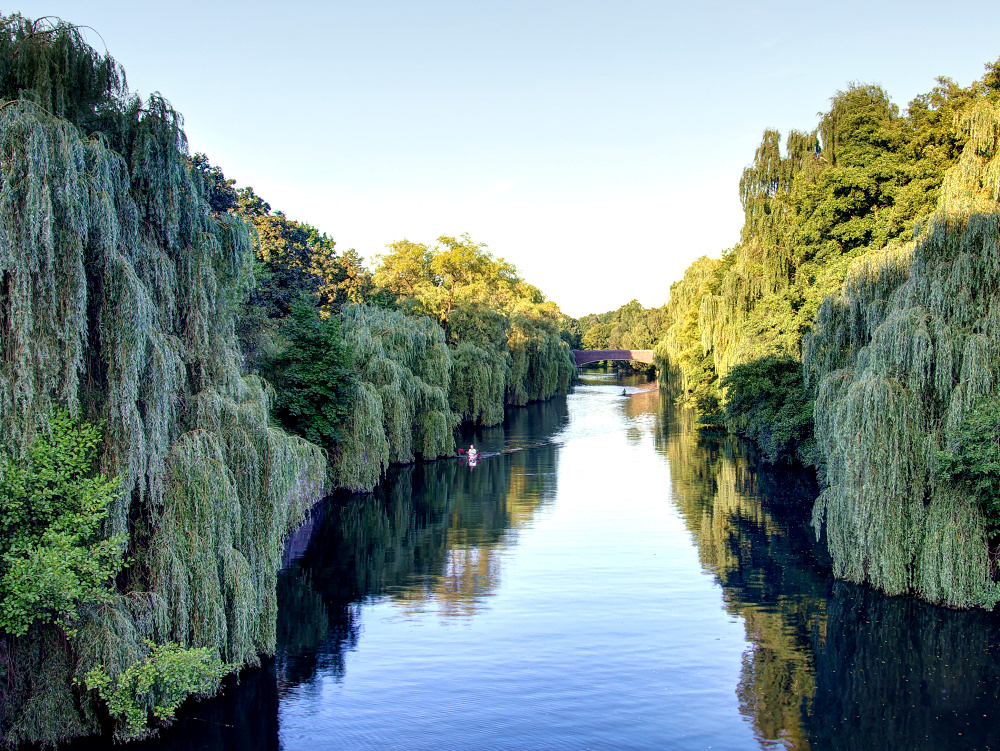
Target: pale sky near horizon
(598,146)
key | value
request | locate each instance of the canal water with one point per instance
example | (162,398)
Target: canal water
(604,578)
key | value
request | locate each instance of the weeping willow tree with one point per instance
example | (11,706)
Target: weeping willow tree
(479,383)
(541,363)
(898,360)
(503,335)
(684,364)
(529,362)
(401,411)
(749,303)
(481,361)
(118,295)
(811,207)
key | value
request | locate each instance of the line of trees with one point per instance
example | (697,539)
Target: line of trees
(184,372)
(629,327)
(848,330)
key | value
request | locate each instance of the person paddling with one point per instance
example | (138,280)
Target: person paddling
(472,453)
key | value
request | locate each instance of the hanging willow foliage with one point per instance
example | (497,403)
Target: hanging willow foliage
(506,347)
(479,377)
(401,411)
(682,355)
(898,359)
(541,363)
(118,295)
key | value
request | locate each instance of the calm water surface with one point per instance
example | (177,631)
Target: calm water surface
(603,579)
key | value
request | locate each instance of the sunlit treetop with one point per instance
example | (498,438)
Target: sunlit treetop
(455,272)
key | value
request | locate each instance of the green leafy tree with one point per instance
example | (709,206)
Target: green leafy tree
(454,273)
(220,192)
(571,331)
(992,78)
(629,327)
(312,375)
(597,336)
(56,558)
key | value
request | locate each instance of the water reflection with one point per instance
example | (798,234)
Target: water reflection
(894,672)
(428,539)
(828,665)
(824,665)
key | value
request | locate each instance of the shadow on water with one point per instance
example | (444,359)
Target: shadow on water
(244,716)
(829,665)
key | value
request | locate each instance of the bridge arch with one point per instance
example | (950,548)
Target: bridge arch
(583,356)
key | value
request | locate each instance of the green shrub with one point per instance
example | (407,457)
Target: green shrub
(158,684)
(972,459)
(766,401)
(56,557)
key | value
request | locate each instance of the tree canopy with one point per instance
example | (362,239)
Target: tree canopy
(629,327)
(860,181)
(455,274)
(506,339)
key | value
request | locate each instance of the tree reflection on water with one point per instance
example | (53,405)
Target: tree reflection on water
(428,539)
(829,665)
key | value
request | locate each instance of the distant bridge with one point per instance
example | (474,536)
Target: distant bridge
(583,356)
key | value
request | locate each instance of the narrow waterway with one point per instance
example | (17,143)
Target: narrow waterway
(604,578)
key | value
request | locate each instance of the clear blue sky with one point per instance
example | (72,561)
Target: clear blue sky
(596,145)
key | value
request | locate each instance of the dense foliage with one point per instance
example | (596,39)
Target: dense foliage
(506,340)
(312,376)
(119,292)
(685,366)
(629,327)
(156,685)
(53,503)
(858,181)
(401,411)
(971,459)
(295,266)
(899,359)
(768,404)
(869,251)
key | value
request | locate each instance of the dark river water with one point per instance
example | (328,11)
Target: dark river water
(603,579)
